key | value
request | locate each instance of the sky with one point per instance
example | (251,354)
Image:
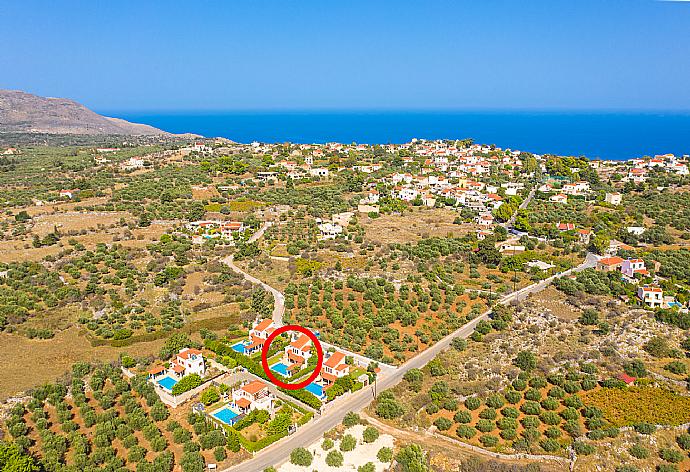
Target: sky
(204,55)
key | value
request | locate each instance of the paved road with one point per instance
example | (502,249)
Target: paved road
(279,452)
(278,298)
(509,224)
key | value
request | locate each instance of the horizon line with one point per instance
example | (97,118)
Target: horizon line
(411,110)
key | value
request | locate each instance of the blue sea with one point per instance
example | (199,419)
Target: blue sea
(605,135)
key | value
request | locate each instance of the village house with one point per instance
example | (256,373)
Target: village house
(484,220)
(298,352)
(188,361)
(334,367)
(651,296)
(636,230)
(510,246)
(329,230)
(133,163)
(608,264)
(558,198)
(614,198)
(565,226)
(69,193)
(258,335)
(254,395)
(630,267)
(585,235)
(318,172)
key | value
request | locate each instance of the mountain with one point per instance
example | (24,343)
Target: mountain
(27,113)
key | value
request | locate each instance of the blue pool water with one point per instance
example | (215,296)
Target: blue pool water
(280,368)
(167,382)
(316,389)
(239,347)
(226,415)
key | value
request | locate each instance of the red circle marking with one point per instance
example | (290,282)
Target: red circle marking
(319,357)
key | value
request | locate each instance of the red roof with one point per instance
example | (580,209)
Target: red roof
(263,324)
(336,358)
(626,378)
(609,261)
(254,387)
(186,353)
(301,343)
(243,402)
(295,358)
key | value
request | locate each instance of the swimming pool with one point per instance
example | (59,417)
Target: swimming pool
(280,368)
(239,347)
(167,382)
(314,388)
(225,415)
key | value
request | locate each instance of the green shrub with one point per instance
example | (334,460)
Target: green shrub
(301,456)
(371,434)
(639,452)
(466,432)
(472,403)
(351,419)
(463,417)
(334,458)
(187,383)
(385,455)
(488,440)
(584,449)
(348,443)
(671,455)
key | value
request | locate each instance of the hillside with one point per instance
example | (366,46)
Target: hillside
(24,112)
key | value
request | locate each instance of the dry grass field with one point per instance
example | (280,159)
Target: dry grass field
(414,225)
(27,363)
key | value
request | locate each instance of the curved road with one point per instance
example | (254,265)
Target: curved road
(278,298)
(278,452)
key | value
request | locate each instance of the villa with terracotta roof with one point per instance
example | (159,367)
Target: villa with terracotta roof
(258,335)
(334,367)
(298,352)
(608,264)
(254,395)
(188,361)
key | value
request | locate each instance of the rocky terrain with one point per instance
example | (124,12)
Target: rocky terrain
(27,113)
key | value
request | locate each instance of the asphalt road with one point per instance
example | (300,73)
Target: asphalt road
(279,452)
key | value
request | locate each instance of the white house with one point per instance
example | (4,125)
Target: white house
(630,267)
(330,230)
(651,296)
(407,194)
(258,335)
(68,193)
(559,198)
(318,172)
(636,230)
(188,361)
(191,360)
(229,228)
(133,163)
(484,220)
(614,198)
